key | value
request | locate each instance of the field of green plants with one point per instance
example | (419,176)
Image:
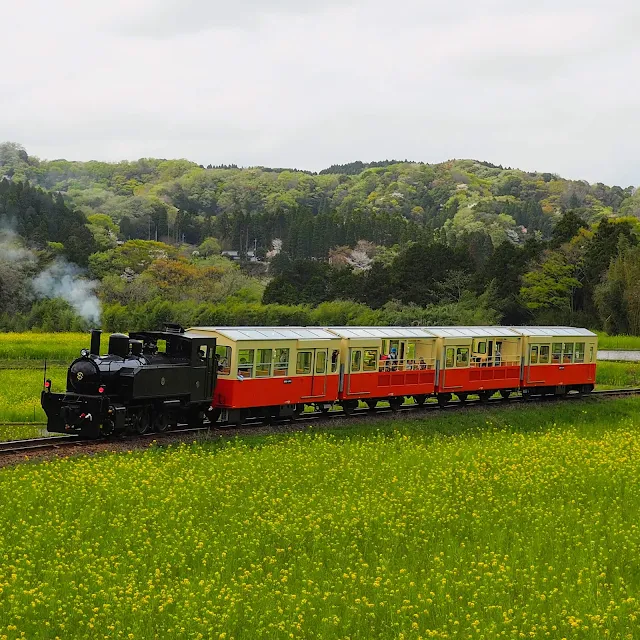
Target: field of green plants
(512,522)
(20,392)
(631,343)
(62,347)
(615,375)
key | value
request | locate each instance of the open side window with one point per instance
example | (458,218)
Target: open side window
(223,355)
(462,357)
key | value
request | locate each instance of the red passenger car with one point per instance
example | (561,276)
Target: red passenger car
(270,372)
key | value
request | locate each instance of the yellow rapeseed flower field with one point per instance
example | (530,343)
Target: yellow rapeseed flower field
(520,522)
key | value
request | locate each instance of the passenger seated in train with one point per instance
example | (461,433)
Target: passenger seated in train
(393,359)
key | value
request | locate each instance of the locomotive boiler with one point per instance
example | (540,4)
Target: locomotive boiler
(148,380)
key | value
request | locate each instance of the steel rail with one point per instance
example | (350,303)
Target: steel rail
(65,441)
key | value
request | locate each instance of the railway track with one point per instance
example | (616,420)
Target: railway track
(65,442)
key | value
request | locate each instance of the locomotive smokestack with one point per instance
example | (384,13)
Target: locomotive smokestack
(95,342)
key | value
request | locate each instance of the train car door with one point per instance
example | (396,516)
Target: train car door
(319,378)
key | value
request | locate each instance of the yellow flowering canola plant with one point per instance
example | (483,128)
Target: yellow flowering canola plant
(520,522)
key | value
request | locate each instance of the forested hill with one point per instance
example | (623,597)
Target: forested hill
(462,241)
(389,204)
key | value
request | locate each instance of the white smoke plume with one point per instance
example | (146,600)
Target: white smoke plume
(62,279)
(11,249)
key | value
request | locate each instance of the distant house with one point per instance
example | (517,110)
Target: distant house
(235,256)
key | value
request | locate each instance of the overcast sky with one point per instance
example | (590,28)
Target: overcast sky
(545,85)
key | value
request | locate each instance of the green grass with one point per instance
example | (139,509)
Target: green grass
(20,393)
(614,375)
(62,347)
(618,342)
(517,521)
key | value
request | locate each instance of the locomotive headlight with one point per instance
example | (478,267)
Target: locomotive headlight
(84,353)
(47,385)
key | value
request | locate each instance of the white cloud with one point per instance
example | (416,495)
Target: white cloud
(549,86)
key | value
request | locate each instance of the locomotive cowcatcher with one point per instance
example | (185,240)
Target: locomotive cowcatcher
(149,380)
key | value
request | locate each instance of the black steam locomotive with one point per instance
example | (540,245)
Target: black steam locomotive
(150,380)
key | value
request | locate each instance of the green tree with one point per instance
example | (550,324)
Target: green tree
(617,298)
(552,286)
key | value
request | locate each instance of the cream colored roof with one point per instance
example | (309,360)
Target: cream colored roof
(382,332)
(474,332)
(559,332)
(239,334)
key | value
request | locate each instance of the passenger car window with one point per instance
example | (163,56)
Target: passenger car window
(263,365)
(224,360)
(556,352)
(544,354)
(450,357)
(567,352)
(335,358)
(321,361)
(533,359)
(356,356)
(303,364)
(370,360)
(590,354)
(482,347)
(281,363)
(245,362)
(578,355)
(462,357)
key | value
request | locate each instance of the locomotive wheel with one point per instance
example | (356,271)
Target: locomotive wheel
(297,410)
(484,396)
(505,393)
(372,404)
(107,428)
(395,404)
(420,399)
(323,408)
(444,399)
(462,396)
(161,422)
(141,422)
